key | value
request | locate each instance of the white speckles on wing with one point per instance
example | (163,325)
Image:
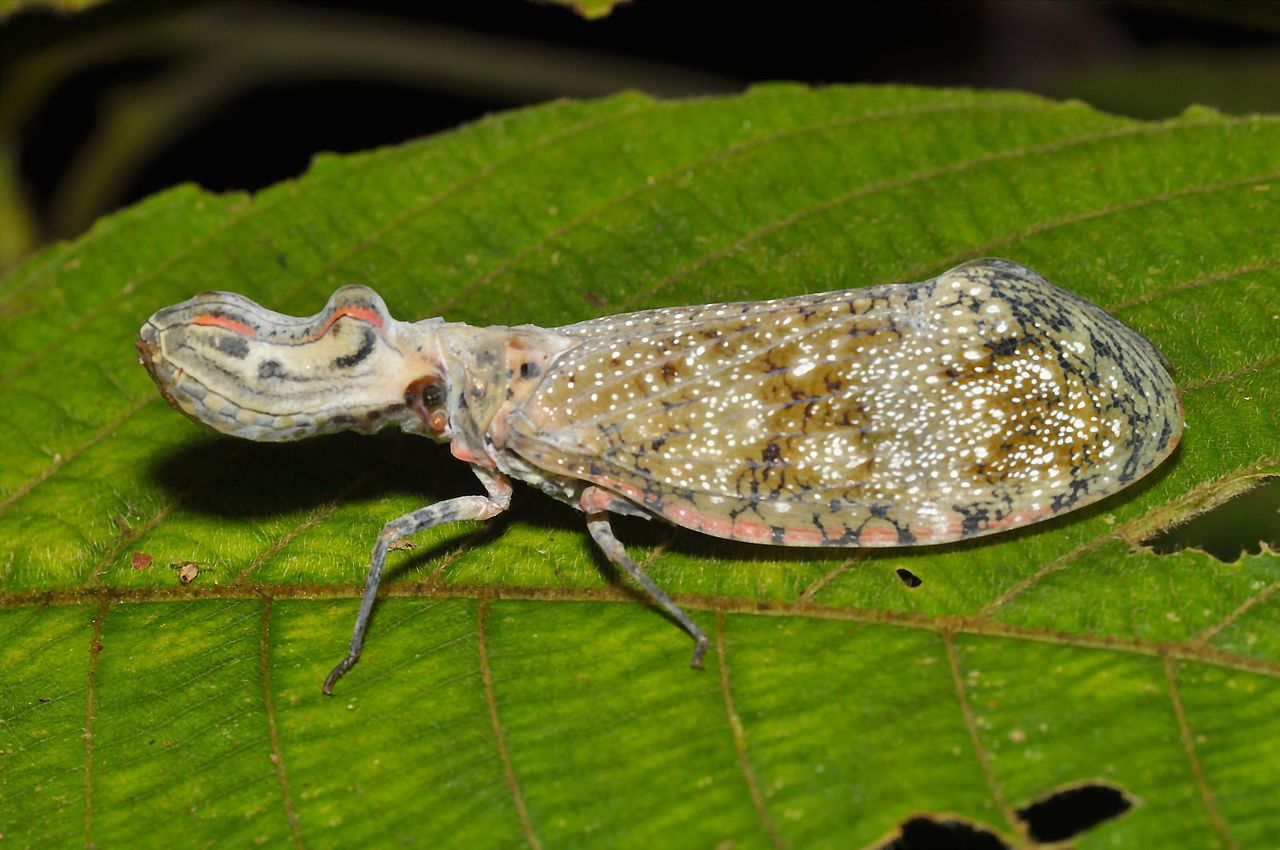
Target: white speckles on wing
(917,413)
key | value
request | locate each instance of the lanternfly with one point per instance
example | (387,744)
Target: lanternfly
(899,415)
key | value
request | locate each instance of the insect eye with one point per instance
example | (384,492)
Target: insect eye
(433,395)
(426,396)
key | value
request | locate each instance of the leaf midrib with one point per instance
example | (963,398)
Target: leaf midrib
(1188,650)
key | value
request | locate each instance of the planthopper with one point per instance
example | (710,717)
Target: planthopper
(908,414)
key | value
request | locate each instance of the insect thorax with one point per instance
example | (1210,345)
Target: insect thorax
(491,371)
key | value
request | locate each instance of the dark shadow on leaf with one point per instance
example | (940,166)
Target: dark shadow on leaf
(238,479)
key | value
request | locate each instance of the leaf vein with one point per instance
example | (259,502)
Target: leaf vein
(962,166)
(739,734)
(277,753)
(1197,770)
(732,605)
(593,214)
(979,749)
(90,712)
(59,462)
(1194,283)
(499,735)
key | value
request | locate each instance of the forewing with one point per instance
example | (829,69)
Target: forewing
(980,400)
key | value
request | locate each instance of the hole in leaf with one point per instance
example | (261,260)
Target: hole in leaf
(1068,812)
(925,833)
(909,578)
(1238,526)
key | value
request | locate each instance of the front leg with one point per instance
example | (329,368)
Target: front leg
(596,502)
(452,510)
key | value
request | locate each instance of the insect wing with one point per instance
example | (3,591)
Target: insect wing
(978,401)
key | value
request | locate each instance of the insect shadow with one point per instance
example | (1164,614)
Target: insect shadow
(242,480)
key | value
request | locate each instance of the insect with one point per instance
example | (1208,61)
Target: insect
(978,401)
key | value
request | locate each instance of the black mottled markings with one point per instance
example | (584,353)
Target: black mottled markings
(848,537)
(268,369)
(1004,347)
(530,370)
(366,348)
(779,534)
(974,519)
(658,443)
(771,452)
(1065,501)
(232,345)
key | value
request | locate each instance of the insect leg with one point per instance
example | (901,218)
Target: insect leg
(602,533)
(452,510)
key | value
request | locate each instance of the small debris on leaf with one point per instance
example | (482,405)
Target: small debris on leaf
(141,560)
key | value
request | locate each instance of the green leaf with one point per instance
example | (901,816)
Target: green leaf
(512,694)
(591,9)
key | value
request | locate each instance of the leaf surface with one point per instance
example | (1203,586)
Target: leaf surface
(513,692)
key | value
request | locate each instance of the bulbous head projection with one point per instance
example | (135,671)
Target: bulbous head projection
(250,372)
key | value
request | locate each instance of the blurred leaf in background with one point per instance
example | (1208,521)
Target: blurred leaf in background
(109,105)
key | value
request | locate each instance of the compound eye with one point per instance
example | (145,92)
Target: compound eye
(425,397)
(433,395)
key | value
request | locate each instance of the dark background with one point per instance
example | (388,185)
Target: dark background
(102,107)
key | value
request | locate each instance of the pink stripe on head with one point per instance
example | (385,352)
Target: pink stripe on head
(226,324)
(361,313)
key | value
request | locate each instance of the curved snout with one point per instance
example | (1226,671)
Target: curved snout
(251,372)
